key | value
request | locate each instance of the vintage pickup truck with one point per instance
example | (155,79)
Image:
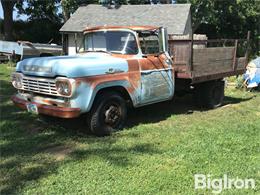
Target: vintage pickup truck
(119,67)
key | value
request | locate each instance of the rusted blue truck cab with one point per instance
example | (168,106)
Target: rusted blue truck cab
(118,65)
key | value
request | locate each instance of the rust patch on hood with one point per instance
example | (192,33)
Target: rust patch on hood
(133,77)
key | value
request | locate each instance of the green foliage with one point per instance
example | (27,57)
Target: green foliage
(240,82)
(227,19)
(47,9)
(70,6)
(37,31)
(11,63)
(43,24)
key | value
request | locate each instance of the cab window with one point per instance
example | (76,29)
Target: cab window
(149,42)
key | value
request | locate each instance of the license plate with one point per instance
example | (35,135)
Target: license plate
(32,108)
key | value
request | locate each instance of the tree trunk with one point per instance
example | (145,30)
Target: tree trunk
(65,12)
(8,6)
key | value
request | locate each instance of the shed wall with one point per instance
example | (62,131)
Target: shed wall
(72,44)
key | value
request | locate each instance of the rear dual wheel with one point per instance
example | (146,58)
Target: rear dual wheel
(108,114)
(210,94)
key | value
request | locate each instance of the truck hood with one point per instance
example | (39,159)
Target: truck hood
(89,64)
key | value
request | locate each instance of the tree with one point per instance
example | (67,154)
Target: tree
(37,10)
(226,19)
(8,6)
(70,6)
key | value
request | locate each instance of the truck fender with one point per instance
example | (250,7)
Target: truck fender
(121,83)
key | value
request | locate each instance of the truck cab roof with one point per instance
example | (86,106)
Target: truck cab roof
(135,28)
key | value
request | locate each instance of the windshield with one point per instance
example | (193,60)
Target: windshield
(111,41)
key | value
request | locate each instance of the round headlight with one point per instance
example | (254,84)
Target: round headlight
(63,87)
(17,80)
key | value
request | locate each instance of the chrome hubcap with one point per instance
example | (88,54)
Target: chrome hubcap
(112,115)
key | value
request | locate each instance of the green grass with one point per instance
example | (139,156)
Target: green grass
(159,152)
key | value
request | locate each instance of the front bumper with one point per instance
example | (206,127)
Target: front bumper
(61,112)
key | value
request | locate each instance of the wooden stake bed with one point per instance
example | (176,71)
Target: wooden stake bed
(195,61)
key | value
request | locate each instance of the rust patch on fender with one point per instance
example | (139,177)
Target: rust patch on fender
(134,74)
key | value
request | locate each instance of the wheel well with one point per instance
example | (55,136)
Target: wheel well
(118,89)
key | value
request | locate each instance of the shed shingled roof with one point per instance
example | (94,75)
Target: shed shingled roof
(174,17)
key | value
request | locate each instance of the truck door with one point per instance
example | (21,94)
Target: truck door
(156,68)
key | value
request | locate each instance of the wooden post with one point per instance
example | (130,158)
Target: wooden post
(224,43)
(247,46)
(191,46)
(62,43)
(191,52)
(76,42)
(235,56)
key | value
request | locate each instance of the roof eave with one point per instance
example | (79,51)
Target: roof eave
(68,31)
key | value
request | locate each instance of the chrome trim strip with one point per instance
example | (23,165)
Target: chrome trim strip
(156,70)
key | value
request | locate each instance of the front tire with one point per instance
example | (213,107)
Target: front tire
(108,114)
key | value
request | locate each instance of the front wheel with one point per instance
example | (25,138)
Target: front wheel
(108,114)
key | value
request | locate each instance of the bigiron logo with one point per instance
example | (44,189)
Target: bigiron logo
(217,185)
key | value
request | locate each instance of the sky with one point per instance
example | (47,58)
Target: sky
(15,14)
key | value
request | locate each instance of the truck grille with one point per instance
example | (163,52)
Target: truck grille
(39,85)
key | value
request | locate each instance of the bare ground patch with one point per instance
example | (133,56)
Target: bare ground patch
(59,152)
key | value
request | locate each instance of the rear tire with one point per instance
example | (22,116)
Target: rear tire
(108,114)
(214,94)
(210,94)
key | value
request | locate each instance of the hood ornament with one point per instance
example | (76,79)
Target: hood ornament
(113,71)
